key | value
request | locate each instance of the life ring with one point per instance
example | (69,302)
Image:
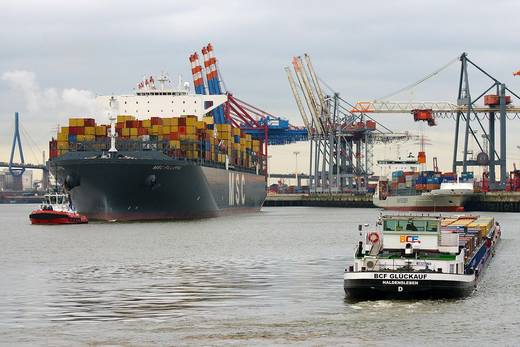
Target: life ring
(373,237)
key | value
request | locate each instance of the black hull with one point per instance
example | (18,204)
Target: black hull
(376,290)
(152,186)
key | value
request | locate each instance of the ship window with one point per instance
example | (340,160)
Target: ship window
(183,102)
(125,102)
(432,226)
(137,102)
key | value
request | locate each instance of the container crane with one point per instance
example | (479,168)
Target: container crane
(268,128)
(496,105)
(341,146)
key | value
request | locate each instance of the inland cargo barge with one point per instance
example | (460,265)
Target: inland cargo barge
(421,257)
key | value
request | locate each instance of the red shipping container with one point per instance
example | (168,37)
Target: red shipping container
(119,131)
(174,136)
(156,120)
(182,129)
(120,125)
(182,121)
(89,122)
(77,130)
(142,131)
(131,124)
(371,124)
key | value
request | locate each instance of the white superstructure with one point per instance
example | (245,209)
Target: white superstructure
(151,101)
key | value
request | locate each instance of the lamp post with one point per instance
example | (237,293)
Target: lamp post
(268,170)
(296,166)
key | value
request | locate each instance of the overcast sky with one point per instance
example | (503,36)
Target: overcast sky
(57,55)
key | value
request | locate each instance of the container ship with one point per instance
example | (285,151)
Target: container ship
(421,257)
(424,191)
(166,154)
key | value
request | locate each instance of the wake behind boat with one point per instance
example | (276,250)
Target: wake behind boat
(421,257)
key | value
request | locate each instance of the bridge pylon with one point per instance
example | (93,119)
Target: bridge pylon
(16,139)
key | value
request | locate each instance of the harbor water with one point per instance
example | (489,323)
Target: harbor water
(270,278)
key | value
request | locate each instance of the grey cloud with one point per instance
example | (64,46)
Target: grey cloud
(363,49)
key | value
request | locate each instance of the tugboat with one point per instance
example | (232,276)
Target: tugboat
(56,209)
(421,257)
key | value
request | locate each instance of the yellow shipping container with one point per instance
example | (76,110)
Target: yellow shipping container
(208,120)
(224,135)
(63,145)
(155,129)
(133,131)
(166,122)
(174,128)
(175,121)
(90,131)
(76,122)
(199,125)
(175,144)
(101,130)
(236,131)
(134,137)
(65,130)
(191,120)
(124,118)
(165,129)
(80,138)
(89,137)
(190,129)
(126,131)
(63,137)
(146,123)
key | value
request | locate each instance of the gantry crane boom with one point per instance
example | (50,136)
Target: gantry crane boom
(298,100)
(324,111)
(402,107)
(307,94)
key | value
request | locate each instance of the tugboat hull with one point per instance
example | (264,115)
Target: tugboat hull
(56,217)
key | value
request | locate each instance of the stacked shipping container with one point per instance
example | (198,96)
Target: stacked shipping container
(471,230)
(179,137)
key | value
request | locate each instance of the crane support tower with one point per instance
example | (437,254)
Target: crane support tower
(497,105)
(341,141)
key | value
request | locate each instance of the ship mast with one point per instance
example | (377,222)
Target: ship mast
(112,118)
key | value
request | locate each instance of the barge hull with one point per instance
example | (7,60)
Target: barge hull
(374,289)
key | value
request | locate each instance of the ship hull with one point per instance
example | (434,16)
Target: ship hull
(148,186)
(372,286)
(423,203)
